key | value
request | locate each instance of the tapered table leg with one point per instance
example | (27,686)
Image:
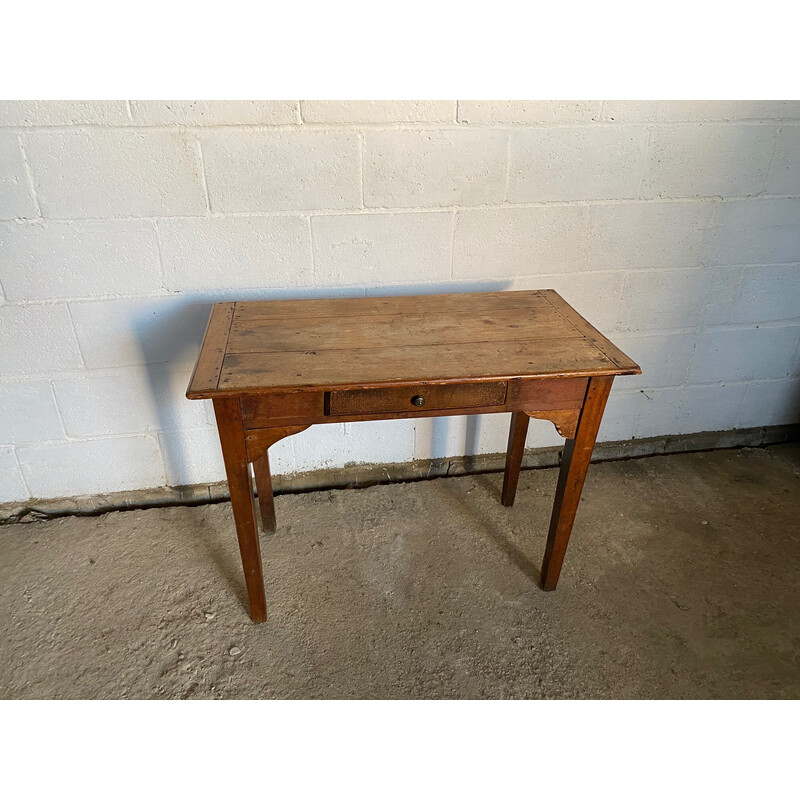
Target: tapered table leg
(574,463)
(234,453)
(266,503)
(516,448)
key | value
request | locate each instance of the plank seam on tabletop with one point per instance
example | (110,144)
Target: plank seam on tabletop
(225,348)
(588,338)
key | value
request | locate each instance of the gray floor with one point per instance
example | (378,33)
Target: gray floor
(681,582)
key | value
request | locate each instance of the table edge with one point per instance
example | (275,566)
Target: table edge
(324,387)
(212,349)
(221,318)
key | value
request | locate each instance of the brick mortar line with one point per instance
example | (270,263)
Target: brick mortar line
(453,224)
(162,271)
(74,330)
(507,184)
(736,297)
(225,347)
(369,210)
(15,456)
(312,252)
(706,310)
(392,126)
(203,177)
(59,414)
(102,437)
(739,407)
(768,171)
(29,175)
(361,169)
(797,355)
(644,159)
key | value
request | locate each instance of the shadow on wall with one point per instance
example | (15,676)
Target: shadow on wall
(169,332)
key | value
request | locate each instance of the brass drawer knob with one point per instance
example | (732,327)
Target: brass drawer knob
(418,400)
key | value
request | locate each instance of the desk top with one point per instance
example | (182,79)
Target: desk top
(260,346)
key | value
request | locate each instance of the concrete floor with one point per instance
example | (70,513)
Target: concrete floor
(681,581)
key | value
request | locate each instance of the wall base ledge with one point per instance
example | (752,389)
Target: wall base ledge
(354,476)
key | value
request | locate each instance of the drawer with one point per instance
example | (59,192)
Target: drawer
(416,398)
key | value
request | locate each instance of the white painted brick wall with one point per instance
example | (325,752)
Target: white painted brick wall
(235,253)
(267,170)
(377,111)
(152,330)
(673,226)
(338,444)
(84,259)
(784,171)
(759,231)
(382,248)
(16,198)
(126,401)
(767,294)
(12,485)
(644,299)
(28,413)
(699,110)
(769,403)
(24,113)
(668,356)
(37,339)
(434,167)
(684,409)
(215,112)
(639,235)
(707,160)
(507,242)
(528,112)
(579,163)
(726,354)
(91,466)
(91,172)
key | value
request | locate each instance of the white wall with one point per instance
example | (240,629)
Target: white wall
(674,227)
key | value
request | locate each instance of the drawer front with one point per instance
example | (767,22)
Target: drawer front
(416,398)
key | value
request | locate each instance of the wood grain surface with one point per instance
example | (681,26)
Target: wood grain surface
(266,346)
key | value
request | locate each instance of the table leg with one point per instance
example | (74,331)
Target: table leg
(231,435)
(266,503)
(516,448)
(574,463)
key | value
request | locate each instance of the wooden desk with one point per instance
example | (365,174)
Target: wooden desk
(273,368)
